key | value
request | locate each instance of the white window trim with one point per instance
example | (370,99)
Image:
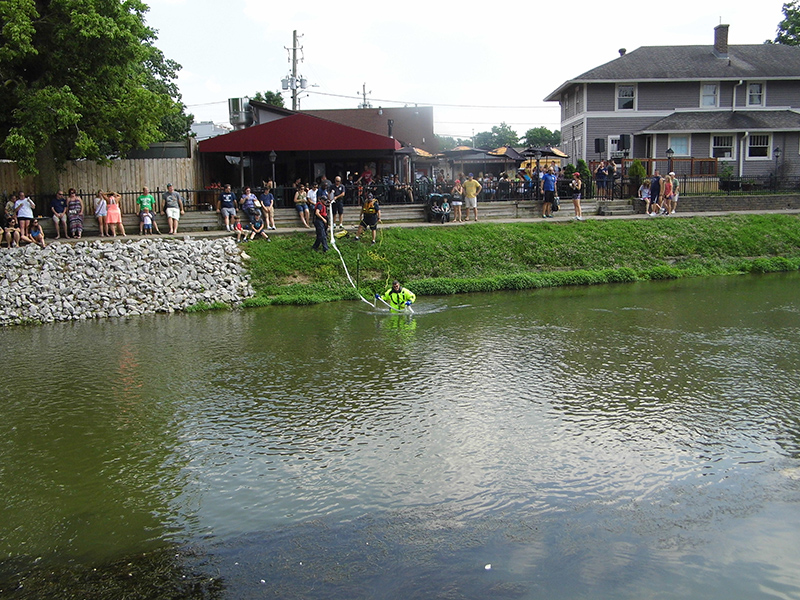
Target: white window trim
(746,148)
(716,96)
(734,147)
(635,97)
(763,95)
(688,143)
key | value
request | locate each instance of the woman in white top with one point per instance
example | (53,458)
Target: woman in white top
(457,193)
(101,212)
(23,208)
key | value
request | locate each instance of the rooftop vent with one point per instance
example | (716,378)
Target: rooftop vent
(622,51)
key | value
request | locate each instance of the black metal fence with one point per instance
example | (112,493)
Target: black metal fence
(493,190)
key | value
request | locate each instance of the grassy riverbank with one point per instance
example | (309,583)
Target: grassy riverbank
(496,256)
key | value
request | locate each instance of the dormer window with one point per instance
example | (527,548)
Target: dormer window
(755,94)
(709,96)
(626,97)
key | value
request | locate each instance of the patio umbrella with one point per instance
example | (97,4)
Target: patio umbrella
(465,154)
(531,151)
(506,152)
(413,153)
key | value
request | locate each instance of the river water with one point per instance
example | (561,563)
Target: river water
(626,441)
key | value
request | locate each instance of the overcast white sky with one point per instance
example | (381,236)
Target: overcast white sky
(478,64)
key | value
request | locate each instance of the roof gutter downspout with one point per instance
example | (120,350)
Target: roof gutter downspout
(733,106)
(742,148)
(746,133)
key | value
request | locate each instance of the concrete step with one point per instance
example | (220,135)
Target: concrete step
(205,220)
(615,208)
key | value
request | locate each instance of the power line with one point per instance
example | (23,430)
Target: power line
(554,107)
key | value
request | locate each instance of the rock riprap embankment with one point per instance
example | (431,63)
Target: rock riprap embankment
(90,280)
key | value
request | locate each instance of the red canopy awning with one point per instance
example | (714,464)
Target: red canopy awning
(298,132)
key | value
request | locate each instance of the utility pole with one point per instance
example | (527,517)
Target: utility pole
(294,69)
(292,81)
(364,92)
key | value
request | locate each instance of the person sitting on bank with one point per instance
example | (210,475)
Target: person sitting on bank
(370,217)
(36,234)
(241,235)
(397,297)
(257,227)
(11,232)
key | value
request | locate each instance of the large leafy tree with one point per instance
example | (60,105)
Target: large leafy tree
(271,98)
(81,79)
(448,143)
(789,29)
(500,135)
(540,137)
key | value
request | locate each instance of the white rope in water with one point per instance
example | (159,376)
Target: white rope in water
(393,309)
(335,247)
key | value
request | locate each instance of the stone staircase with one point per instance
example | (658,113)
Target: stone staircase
(286,218)
(609,208)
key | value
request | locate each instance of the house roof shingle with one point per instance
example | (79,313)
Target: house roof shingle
(692,63)
(718,121)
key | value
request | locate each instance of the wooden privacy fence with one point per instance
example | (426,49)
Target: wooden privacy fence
(120,175)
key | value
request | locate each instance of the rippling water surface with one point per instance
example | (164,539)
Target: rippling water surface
(623,441)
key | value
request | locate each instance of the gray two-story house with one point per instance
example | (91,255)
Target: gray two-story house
(738,104)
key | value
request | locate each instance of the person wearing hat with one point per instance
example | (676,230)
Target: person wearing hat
(471,190)
(173,208)
(673,201)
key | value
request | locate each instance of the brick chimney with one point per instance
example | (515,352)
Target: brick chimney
(721,41)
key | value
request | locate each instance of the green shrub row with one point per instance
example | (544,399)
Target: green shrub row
(518,256)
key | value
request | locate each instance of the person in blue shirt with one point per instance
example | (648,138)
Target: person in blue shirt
(226,206)
(548,189)
(58,206)
(268,205)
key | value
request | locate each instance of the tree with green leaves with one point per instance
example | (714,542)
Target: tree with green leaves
(82,80)
(448,143)
(500,135)
(539,137)
(789,29)
(271,98)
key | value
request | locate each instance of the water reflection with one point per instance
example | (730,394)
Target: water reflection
(621,441)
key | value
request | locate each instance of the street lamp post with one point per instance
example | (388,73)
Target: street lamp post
(272,158)
(670,154)
(777,154)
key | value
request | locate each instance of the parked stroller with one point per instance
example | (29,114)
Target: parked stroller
(437,208)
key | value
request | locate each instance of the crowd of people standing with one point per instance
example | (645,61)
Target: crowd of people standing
(19,226)
(660,194)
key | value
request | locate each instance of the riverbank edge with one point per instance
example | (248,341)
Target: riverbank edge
(611,251)
(286,272)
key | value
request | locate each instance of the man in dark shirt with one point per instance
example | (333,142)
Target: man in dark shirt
(226,206)
(337,192)
(58,206)
(656,188)
(321,221)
